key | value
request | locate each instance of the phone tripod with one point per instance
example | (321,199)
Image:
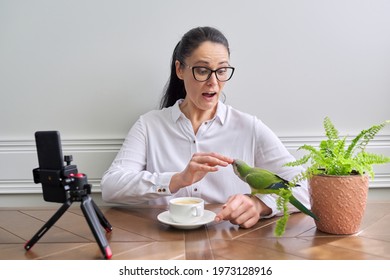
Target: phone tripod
(76,189)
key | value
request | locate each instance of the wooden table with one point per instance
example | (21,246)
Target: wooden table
(137,234)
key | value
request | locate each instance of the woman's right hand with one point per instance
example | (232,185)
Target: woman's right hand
(199,165)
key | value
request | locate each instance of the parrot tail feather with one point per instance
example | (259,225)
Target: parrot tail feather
(302,207)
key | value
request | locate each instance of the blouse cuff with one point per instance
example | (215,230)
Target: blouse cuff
(270,202)
(163,181)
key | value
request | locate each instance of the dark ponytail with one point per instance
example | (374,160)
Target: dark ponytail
(174,89)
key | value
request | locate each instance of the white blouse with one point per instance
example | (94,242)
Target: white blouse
(162,142)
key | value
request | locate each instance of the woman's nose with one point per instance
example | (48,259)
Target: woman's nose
(213,79)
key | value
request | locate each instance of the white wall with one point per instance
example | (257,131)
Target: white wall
(89,68)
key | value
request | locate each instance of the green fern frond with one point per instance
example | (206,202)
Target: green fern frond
(299,162)
(353,145)
(371,159)
(281,203)
(340,147)
(326,148)
(314,153)
(370,133)
(330,130)
(367,135)
(367,160)
(300,177)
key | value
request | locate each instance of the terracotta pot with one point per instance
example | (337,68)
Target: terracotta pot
(339,202)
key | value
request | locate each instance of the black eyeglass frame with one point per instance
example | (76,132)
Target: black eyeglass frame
(193,68)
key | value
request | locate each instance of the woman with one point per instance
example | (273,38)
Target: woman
(186,148)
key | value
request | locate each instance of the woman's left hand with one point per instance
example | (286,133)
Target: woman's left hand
(242,210)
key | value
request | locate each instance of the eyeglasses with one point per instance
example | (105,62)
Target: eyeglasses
(202,74)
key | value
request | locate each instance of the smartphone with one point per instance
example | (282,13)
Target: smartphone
(51,165)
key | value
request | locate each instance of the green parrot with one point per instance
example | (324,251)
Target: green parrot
(266,182)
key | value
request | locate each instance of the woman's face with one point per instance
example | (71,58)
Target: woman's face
(203,96)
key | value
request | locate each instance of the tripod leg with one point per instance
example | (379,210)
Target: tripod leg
(48,225)
(103,221)
(93,222)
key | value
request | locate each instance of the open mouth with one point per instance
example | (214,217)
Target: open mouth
(209,94)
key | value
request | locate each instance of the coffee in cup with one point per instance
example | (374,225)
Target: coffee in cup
(186,210)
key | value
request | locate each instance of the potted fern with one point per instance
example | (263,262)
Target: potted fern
(338,174)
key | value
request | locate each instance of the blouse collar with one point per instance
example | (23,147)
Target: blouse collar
(220,115)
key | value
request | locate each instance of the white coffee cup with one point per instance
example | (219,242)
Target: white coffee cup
(186,210)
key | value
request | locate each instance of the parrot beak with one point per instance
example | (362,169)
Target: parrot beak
(235,168)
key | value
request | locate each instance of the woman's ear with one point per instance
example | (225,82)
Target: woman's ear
(179,70)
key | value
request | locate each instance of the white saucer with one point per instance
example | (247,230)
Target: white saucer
(208,217)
